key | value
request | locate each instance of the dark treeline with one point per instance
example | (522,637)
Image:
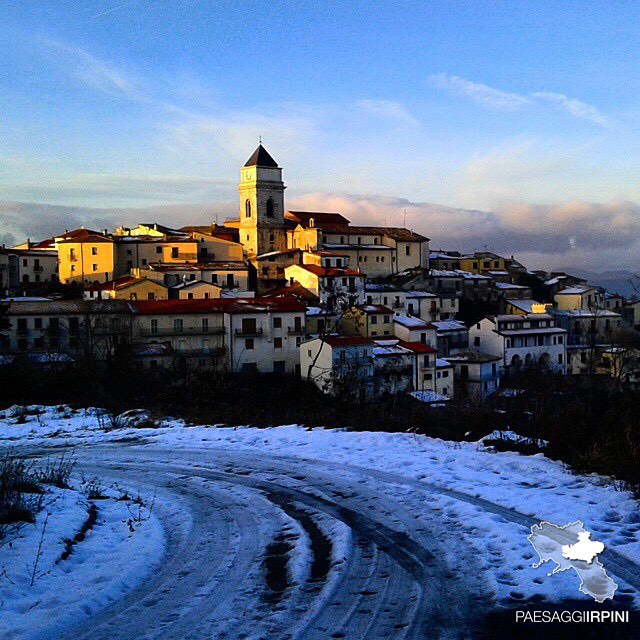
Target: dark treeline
(589,424)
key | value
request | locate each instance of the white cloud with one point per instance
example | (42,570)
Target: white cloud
(503,101)
(576,108)
(481,93)
(102,76)
(391,110)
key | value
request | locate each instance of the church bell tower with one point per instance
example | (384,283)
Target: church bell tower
(262,223)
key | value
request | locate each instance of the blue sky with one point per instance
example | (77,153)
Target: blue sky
(521,121)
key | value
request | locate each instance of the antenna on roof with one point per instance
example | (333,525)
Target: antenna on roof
(260,139)
(404,217)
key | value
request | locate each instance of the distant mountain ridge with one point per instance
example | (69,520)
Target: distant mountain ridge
(620,281)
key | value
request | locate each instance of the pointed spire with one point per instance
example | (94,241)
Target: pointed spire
(261,158)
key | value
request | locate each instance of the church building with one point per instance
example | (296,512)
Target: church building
(274,238)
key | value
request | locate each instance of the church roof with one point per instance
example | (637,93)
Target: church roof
(261,158)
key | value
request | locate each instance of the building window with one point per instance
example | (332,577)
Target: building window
(214,278)
(158,249)
(277,343)
(94,267)
(151,296)
(386,319)
(230,282)
(133,296)
(559,358)
(425,361)
(178,325)
(279,366)
(445,374)
(94,251)
(476,341)
(270,208)
(248,344)
(298,342)
(247,209)
(407,250)
(374,319)
(277,323)
(205,325)
(428,376)
(154,327)
(174,252)
(189,296)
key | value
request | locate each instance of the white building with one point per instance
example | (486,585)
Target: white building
(477,375)
(412,329)
(528,340)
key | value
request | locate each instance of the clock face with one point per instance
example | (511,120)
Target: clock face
(247,175)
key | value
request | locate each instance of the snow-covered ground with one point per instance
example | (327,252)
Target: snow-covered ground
(297,533)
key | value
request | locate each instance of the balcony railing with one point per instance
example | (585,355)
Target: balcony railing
(295,330)
(184,256)
(254,332)
(184,331)
(38,268)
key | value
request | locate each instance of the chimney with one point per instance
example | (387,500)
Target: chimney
(106,232)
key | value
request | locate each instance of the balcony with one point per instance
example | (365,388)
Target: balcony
(183,257)
(295,331)
(185,331)
(254,332)
(38,268)
(397,305)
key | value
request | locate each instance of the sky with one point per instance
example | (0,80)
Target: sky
(513,127)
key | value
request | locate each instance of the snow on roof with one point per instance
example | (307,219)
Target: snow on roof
(442,256)
(271,254)
(442,363)
(392,349)
(376,286)
(429,396)
(420,294)
(315,311)
(587,313)
(555,280)
(410,321)
(508,285)
(450,325)
(499,273)
(525,305)
(574,291)
(446,273)
(467,275)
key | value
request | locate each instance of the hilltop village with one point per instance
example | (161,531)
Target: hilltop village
(368,310)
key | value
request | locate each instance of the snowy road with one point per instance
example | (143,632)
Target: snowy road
(293,533)
(358,563)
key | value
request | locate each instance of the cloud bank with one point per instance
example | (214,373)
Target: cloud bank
(592,236)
